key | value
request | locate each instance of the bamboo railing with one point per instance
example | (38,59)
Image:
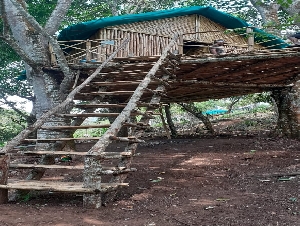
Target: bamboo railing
(99,49)
(100,46)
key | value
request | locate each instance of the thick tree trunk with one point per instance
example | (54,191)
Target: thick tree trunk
(288,104)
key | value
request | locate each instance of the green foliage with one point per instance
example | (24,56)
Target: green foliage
(90,132)
(285,3)
(10,125)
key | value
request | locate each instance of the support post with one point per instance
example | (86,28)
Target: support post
(92,179)
(249,31)
(4,164)
(164,123)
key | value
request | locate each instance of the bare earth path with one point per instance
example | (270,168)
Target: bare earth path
(227,180)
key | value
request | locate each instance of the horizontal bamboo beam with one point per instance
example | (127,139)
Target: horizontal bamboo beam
(231,84)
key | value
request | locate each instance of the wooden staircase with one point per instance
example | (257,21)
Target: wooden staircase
(103,171)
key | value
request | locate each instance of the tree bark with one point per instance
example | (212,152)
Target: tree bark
(170,121)
(234,100)
(198,114)
(288,104)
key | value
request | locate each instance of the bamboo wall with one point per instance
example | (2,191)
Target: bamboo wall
(149,38)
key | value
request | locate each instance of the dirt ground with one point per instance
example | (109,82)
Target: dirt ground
(209,180)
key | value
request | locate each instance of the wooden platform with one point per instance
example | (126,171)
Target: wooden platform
(201,78)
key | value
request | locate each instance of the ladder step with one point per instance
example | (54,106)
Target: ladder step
(63,139)
(90,115)
(59,166)
(57,186)
(75,127)
(100,105)
(116,172)
(139,104)
(97,114)
(117,83)
(108,93)
(127,139)
(104,155)
(92,126)
(31,166)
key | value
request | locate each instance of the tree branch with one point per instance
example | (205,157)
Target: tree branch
(14,45)
(21,136)
(12,106)
(7,38)
(57,16)
(68,76)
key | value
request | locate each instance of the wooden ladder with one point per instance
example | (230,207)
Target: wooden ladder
(94,169)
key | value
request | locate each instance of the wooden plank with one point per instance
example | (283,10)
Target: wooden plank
(90,115)
(59,166)
(31,166)
(75,127)
(76,187)
(109,93)
(63,139)
(100,105)
(91,126)
(103,154)
(113,105)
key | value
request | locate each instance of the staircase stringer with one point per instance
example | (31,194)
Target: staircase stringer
(92,167)
(138,132)
(24,134)
(39,123)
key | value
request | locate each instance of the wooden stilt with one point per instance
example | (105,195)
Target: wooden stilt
(4,164)
(92,179)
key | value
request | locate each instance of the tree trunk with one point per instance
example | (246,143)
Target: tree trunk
(234,100)
(198,114)
(288,104)
(170,121)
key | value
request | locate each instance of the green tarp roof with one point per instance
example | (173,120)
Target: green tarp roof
(84,30)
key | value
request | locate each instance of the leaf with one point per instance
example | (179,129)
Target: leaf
(157,180)
(285,178)
(222,199)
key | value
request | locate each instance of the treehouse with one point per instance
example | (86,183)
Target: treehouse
(133,65)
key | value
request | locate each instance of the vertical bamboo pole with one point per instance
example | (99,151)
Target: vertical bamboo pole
(52,55)
(151,45)
(99,51)
(88,50)
(249,31)
(4,164)
(197,28)
(131,51)
(104,47)
(145,45)
(180,44)
(136,44)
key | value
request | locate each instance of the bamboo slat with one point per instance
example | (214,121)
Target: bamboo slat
(56,186)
